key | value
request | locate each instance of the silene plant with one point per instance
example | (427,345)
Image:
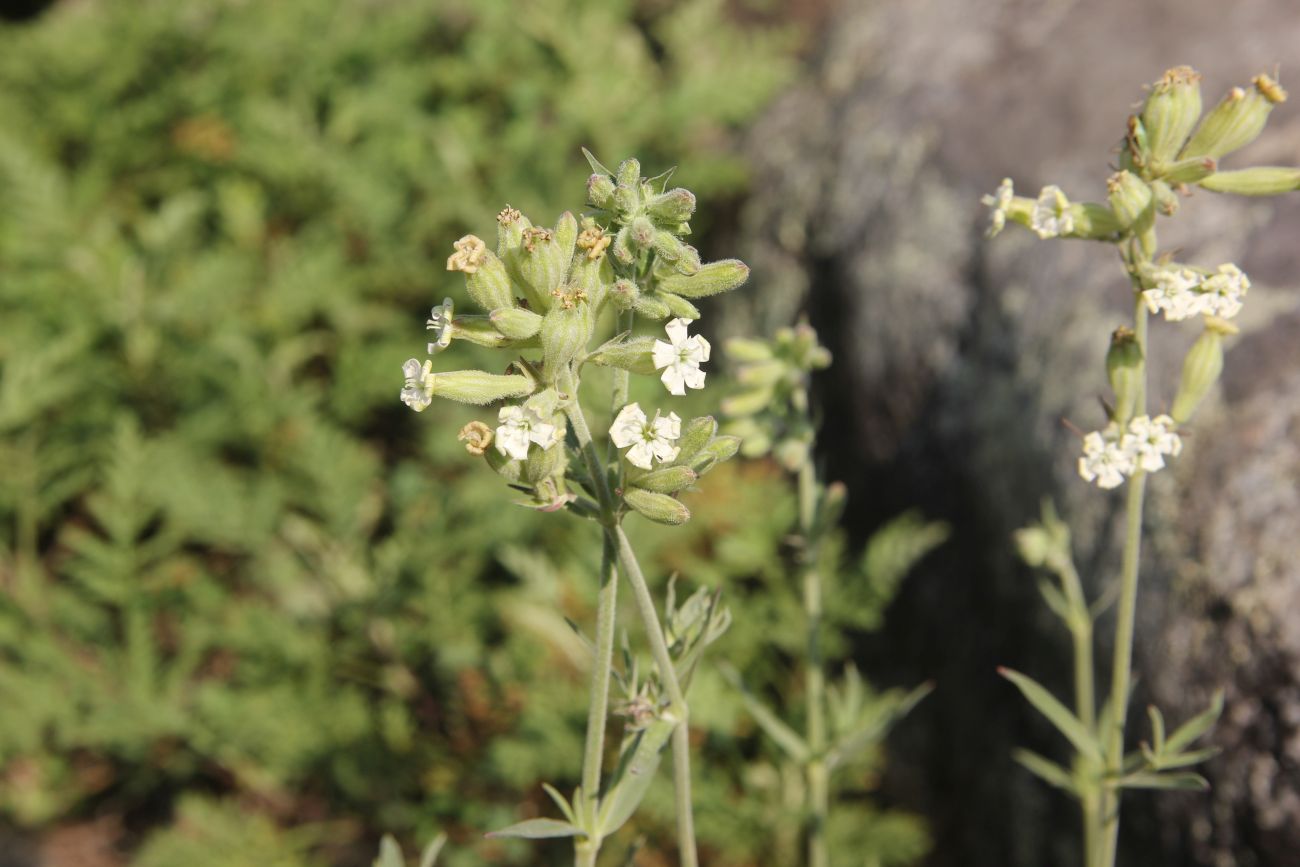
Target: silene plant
(1169,149)
(545,293)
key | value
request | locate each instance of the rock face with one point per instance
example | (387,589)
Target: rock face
(958,358)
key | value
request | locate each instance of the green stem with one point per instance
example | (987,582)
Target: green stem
(677,708)
(816,772)
(1085,701)
(1121,673)
(602,663)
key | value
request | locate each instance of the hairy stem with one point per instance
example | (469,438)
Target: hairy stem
(631,569)
(816,772)
(1122,668)
(602,663)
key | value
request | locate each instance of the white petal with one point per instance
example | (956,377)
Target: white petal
(672,377)
(627,426)
(663,354)
(676,330)
(640,455)
(512,440)
(702,347)
(510,413)
(693,376)
(669,428)
(544,434)
(411,369)
(664,450)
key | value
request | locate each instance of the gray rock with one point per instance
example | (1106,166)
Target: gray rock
(957,361)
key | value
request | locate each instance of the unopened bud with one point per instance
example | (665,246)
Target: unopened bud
(674,206)
(1201,369)
(516,322)
(635,355)
(1166,198)
(651,307)
(1237,120)
(747,349)
(540,265)
(718,450)
(1172,109)
(1130,200)
(1124,368)
(507,467)
(696,434)
(1190,171)
(475,386)
(665,480)
(679,307)
(489,284)
(600,191)
(629,173)
(711,279)
(660,508)
(1035,546)
(1259,181)
(624,293)
(541,463)
(641,234)
(510,229)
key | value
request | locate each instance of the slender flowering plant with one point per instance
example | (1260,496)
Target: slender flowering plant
(547,295)
(1168,149)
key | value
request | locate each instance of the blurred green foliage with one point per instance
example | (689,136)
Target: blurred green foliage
(237,575)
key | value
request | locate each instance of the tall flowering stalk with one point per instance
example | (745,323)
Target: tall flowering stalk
(1168,149)
(546,294)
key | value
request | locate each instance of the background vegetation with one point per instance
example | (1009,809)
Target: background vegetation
(252,610)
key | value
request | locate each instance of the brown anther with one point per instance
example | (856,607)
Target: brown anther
(533,234)
(594,241)
(508,215)
(1271,90)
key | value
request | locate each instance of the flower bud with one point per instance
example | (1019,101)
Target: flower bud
(1130,200)
(762,373)
(1201,369)
(651,307)
(641,234)
(696,434)
(600,191)
(1124,368)
(718,450)
(629,173)
(539,264)
(475,386)
(564,333)
(670,248)
(1172,109)
(480,331)
(678,306)
(712,279)
(660,508)
(622,246)
(747,349)
(1035,546)
(516,322)
(1190,171)
(665,480)
(1237,120)
(541,463)
(747,402)
(507,467)
(1166,198)
(635,355)
(675,206)
(625,293)
(1259,181)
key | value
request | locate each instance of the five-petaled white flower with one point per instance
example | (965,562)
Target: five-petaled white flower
(520,427)
(680,359)
(1051,216)
(1181,292)
(440,324)
(649,439)
(999,202)
(418,391)
(1225,290)
(1148,440)
(1104,461)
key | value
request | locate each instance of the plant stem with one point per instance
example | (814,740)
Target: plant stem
(602,663)
(1121,674)
(816,772)
(631,569)
(1085,701)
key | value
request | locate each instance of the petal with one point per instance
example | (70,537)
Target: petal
(543,434)
(669,427)
(664,450)
(662,354)
(702,347)
(640,455)
(512,441)
(510,413)
(411,369)
(693,376)
(673,379)
(676,330)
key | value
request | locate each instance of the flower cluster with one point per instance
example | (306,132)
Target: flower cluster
(1181,292)
(1110,456)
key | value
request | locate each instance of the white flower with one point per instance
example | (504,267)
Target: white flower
(418,391)
(520,427)
(1148,440)
(649,439)
(440,324)
(1176,292)
(1051,215)
(999,202)
(1104,461)
(680,359)
(1225,290)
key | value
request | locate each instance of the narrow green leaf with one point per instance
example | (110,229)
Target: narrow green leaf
(560,802)
(537,829)
(1180,782)
(632,778)
(1048,771)
(1185,760)
(390,854)
(1056,601)
(431,852)
(1196,726)
(786,738)
(1157,728)
(596,165)
(1057,714)
(854,742)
